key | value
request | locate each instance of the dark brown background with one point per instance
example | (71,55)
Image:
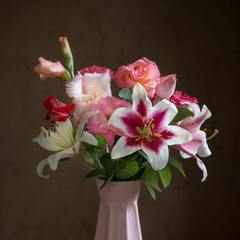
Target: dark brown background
(198,40)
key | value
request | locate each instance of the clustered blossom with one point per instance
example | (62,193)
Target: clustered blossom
(144,123)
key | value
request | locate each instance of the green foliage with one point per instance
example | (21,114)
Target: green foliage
(128,170)
(125,93)
(150,179)
(102,143)
(177,164)
(118,165)
(165,175)
(182,114)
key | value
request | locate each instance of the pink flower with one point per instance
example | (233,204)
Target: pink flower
(198,145)
(50,69)
(182,100)
(96,69)
(142,71)
(98,124)
(86,89)
(166,86)
(59,110)
(146,127)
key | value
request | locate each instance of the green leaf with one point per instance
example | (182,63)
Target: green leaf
(143,154)
(92,154)
(151,177)
(150,189)
(177,164)
(182,113)
(128,170)
(165,175)
(125,93)
(106,161)
(121,162)
(94,173)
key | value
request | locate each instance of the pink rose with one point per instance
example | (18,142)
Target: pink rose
(142,71)
(50,69)
(98,124)
(86,89)
(166,86)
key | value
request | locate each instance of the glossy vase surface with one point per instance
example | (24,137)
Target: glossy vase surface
(118,217)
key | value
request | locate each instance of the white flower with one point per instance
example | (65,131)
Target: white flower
(61,140)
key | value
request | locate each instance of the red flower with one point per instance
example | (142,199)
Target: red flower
(179,98)
(59,110)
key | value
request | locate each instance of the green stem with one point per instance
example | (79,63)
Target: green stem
(213,135)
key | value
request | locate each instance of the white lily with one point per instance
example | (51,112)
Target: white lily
(61,140)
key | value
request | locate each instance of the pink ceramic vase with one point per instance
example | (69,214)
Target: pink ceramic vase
(118,217)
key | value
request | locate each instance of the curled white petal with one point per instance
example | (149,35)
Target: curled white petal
(203,168)
(40,168)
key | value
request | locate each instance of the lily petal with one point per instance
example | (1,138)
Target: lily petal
(199,138)
(40,168)
(192,124)
(178,136)
(141,102)
(162,114)
(124,146)
(83,122)
(127,120)
(203,168)
(203,150)
(58,139)
(86,137)
(157,153)
(199,162)
(54,158)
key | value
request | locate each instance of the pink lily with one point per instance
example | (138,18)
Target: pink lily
(198,145)
(146,127)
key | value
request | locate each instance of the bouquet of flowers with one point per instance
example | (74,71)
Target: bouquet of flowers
(126,138)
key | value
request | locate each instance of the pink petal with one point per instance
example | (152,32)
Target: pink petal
(141,102)
(192,124)
(162,114)
(74,87)
(166,87)
(127,120)
(176,135)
